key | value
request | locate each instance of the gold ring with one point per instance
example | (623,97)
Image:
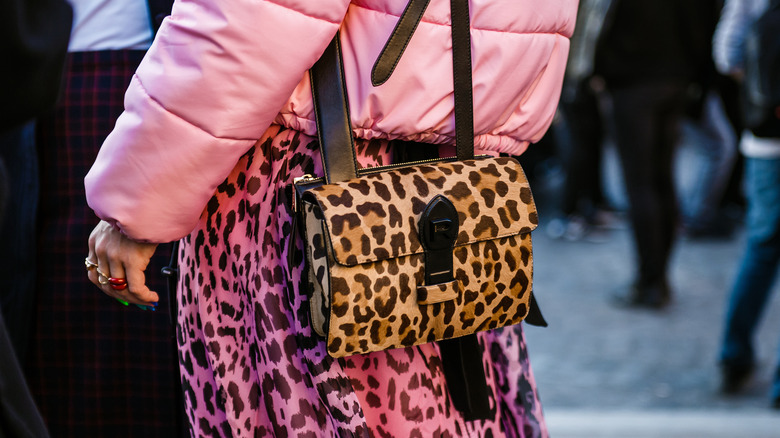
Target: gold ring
(90,264)
(102,278)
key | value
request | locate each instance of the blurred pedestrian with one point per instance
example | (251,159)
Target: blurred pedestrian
(580,133)
(710,134)
(648,55)
(218,123)
(96,369)
(759,264)
(33,40)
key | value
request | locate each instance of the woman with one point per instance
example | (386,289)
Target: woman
(184,162)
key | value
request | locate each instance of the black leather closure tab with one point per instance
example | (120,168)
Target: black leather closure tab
(399,39)
(331,109)
(438,229)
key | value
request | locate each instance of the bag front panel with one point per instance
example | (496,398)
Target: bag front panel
(375,306)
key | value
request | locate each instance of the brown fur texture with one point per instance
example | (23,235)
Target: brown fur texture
(367,265)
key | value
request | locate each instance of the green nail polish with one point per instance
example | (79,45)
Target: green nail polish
(142,307)
(123,302)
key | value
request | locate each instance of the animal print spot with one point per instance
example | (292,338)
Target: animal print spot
(459,191)
(525,255)
(502,188)
(238,403)
(361,186)
(342,222)
(366,208)
(533,218)
(396,218)
(438,182)
(398,243)
(362,318)
(525,195)
(384,309)
(382,191)
(514,211)
(420,185)
(398,187)
(253,186)
(489,196)
(519,279)
(373,400)
(474,210)
(491,169)
(486,227)
(381,254)
(418,206)
(475,178)
(345,199)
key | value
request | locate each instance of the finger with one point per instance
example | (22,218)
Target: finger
(117,280)
(91,260)
(137,288)
(134,267)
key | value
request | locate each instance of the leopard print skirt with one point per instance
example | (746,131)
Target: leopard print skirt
(251,364)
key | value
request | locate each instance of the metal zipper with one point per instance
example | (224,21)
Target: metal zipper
(309,179)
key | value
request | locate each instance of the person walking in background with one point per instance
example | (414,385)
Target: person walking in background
(712,136)
(579,132)
(759,264)
(33,37)
(710,133)
(33,40)
(648,55)
(218,123)
(95,368)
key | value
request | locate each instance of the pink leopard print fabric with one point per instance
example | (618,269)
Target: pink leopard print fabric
(251,364)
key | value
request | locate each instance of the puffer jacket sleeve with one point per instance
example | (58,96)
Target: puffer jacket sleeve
(728,43)
(210,85)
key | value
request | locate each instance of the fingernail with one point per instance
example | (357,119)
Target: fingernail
(123,302)
(142,307)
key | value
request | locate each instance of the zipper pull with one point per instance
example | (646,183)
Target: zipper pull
(294,193)
(302,179)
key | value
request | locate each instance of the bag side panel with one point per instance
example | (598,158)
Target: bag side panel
(318,273)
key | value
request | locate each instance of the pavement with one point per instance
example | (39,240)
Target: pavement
(603,371)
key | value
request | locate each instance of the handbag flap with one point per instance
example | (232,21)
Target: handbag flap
(375,217)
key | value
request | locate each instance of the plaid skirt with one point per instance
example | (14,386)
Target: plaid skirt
(96,368)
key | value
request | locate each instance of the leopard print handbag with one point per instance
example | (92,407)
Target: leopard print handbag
(414,253)
(419,254)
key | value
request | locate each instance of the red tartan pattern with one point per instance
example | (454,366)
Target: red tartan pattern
(96,368)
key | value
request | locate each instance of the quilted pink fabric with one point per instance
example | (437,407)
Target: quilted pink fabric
(221,71)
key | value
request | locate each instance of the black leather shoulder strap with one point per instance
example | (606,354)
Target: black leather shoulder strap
(331,104)
(399,39)
(331,109)
(461,71)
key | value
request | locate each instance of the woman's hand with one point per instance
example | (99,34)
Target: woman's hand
(116,265)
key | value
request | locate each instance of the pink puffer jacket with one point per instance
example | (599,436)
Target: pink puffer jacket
(220,72)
